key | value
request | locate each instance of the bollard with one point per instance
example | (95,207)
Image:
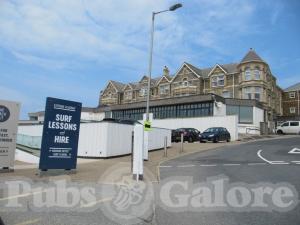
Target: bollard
(165,147)
(181,144)
(132,144)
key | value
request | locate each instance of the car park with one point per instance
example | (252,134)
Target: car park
(189,134)
(215,134)
(289,127)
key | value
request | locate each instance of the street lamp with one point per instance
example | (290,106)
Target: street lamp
(172,8)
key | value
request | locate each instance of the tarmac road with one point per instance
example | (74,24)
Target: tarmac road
(253,164)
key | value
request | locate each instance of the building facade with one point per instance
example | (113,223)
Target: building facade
(291,101)
(250,79)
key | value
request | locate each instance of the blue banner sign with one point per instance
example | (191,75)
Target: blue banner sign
(60,134)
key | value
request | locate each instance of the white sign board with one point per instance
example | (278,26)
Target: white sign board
(9,117)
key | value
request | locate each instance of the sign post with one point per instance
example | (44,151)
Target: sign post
(9,117)
(60,135)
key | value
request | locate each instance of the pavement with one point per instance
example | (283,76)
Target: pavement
(102,177)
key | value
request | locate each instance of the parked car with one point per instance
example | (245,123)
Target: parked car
(189,134)
(215,134)
(289,127)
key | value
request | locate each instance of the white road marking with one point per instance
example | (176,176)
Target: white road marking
(208,165)
(295,151)
(256,164)
(295,162)
(165,166)
(270,162)
(231,164)
(91,204)
(29,222)
(184,166)
(21,196)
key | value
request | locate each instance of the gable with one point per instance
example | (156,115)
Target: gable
(163,80)
(184,72)
(217,70)
(144,79)
(109,88)
(127,88)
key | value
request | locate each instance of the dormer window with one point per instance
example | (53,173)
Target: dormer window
(218,80)
(109,94)
(257,74)
(247,74)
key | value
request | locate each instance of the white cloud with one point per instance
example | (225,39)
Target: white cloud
(117,32)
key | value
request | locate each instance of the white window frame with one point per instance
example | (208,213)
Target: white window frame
(248,75)
(257,92)
(216,79)
(143,91)
(164,89)
(247,93)
(257,75)
(292,95)
(128,94)
(185,82)
(292,110)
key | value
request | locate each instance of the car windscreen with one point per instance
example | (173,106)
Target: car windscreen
(211,130)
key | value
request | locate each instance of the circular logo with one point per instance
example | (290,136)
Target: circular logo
(131,201)
(4,113)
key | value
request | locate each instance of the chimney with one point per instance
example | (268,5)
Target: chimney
(166,71)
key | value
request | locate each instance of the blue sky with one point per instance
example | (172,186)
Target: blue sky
(70,49)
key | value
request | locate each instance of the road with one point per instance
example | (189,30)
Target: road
(264,166)
(252,163)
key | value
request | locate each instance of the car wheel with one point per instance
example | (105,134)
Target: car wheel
(228,140)
(190,140)
(216,140)
(279,132)
(202,141)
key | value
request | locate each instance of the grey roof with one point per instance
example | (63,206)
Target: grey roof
(251,56)
(118,85)
(295,87)
(194,68)
(229,68)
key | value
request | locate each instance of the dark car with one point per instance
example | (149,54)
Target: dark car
(189,134)
(215,134)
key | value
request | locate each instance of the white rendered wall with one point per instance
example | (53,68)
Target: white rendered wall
(105,139)
(254,128)
(92,116)
(201,123)
(219,109)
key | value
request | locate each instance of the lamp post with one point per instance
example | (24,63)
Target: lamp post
(172,8)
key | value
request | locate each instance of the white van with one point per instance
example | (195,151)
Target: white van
(289,127)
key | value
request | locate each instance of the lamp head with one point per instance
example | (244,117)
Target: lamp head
(174,7)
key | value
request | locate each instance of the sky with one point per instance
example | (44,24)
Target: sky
(71,49)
